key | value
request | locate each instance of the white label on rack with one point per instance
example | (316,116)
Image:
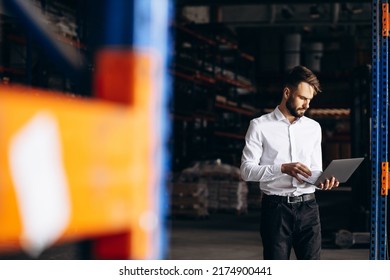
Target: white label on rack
(40,183)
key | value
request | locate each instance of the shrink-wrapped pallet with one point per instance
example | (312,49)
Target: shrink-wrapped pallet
(228,196)
(189,199)
(209,185)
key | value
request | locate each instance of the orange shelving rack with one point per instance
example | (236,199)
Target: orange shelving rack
(74,168)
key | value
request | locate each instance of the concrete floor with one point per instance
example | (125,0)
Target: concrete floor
(228,236)
(212,240)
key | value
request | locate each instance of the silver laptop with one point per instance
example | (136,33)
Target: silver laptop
(341,169)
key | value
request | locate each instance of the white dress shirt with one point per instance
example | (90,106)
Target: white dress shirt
(272,140)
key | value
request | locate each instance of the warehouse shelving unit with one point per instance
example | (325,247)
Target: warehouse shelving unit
(211,73)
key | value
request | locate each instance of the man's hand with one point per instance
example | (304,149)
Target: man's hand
(329,184)
(295,168)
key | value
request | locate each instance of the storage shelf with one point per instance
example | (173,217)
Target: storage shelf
(235,83)
(229,135)
(11,70)
(192,117)
(195,34)
(196,78)
(191,74)
(66,40)
(235,109)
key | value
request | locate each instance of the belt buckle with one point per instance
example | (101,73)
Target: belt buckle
(295,199)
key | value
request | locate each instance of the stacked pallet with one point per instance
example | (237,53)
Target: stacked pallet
(209,186)
(189,199)
(227,192)
(227,196)
(189,194)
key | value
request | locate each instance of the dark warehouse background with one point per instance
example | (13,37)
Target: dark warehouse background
(230,58)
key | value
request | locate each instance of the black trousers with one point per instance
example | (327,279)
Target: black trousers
(290,225)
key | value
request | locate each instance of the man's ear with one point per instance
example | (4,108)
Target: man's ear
(286,92)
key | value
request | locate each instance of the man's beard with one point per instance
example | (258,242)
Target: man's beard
(293,111)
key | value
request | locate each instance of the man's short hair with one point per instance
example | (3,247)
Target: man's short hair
(302,74)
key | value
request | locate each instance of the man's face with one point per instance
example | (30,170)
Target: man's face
(298,101)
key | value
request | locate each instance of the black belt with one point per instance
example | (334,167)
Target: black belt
(290,199)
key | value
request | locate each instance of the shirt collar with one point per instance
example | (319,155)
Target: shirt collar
(280,117)
(278,114)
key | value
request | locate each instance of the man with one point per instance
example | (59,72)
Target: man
(279,148)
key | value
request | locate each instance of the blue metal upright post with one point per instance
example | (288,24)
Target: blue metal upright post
(379,129)
(143,27)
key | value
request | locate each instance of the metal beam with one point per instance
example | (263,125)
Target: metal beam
(379,133)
